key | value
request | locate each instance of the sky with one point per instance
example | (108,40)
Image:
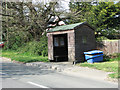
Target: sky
(63,4)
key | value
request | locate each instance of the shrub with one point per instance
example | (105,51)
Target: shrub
(112,57)
(16,40)
(101,38)
(106,57)
(36,47)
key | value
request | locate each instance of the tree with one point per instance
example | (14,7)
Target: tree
(79,11)
(13,24)
(106,18)
(24,22)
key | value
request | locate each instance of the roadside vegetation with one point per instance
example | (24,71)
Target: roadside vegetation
(23,57)
(109,64)
(32,51)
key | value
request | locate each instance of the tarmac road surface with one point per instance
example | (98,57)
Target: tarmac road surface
(14,75)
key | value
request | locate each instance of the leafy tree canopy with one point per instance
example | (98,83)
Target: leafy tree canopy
(105,17)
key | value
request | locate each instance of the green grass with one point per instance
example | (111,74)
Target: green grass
(23,57)
(108,66)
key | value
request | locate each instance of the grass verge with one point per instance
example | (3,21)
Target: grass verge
(108,66)
(23,57)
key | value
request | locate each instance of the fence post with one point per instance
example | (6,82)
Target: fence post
(118,46)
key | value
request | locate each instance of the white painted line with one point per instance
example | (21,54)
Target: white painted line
(41,86)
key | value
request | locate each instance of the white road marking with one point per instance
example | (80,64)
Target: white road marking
(41,86)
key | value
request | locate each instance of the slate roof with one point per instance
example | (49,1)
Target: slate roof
(65,27)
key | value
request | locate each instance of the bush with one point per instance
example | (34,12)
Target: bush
(115,55)
(36,47)
(112,57)
(101,38)
(16,40)
(106,57)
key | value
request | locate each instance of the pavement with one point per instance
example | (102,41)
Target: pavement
(74,70)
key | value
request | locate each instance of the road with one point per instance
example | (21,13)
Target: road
(16,75)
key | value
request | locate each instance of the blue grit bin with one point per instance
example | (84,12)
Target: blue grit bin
(94,56)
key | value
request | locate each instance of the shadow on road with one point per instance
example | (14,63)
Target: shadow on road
(9,70)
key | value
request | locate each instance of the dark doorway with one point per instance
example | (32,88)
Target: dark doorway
(60,47)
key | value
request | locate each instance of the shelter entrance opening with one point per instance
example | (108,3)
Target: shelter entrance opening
(60,47)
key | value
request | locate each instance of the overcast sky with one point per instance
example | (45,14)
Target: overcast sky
(63,4)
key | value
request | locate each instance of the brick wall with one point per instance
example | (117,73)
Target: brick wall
(50,46)
(71,46)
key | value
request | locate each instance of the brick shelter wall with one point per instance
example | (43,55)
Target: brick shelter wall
(71,46)
(50,46)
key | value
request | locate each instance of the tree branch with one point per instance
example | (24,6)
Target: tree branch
(6,15)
